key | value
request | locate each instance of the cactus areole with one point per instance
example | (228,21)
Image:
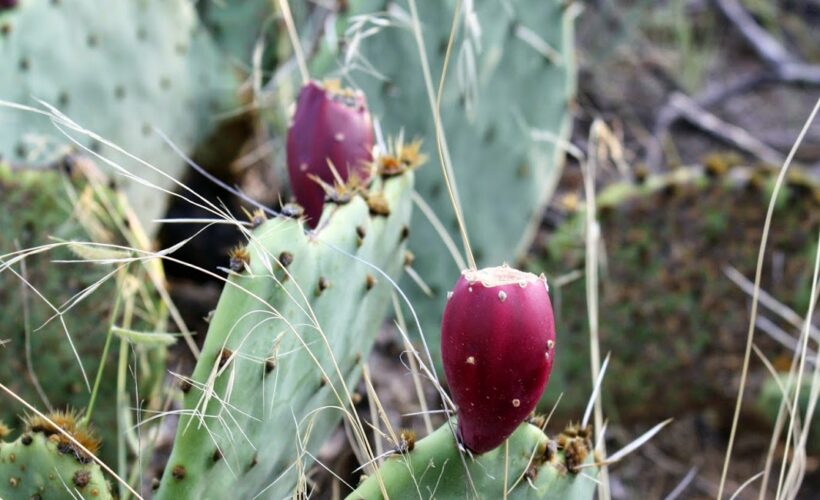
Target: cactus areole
(331,126)
(497,345)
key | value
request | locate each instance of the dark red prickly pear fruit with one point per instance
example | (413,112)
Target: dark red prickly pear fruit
(333,125)
(8,4)
(497,344)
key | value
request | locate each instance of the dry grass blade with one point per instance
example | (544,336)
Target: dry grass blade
(435,105)
(634,445)
(797,467)
(414,364)
(431,216)
(593,237)
(294,40)
(682,485)
(746,484)
(758,275)
(596,390)
(35,380)
(770,302)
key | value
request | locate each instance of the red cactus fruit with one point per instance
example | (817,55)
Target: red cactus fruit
(331,125)
(497,344)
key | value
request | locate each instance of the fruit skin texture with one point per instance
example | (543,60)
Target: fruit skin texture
(498,345)
(330,124)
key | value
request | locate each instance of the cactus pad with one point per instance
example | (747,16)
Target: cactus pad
(260,364)
(536,468)
(35,466)
(141,65)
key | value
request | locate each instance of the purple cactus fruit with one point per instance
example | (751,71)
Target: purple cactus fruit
(333,125)
(497,344)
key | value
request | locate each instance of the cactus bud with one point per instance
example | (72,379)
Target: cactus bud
(331,126)
(497,344)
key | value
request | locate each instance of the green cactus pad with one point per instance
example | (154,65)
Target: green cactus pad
(503,176)
(142,65)
(667,309)
(36,205)
(236,25)
(34,467)
(264,338)
(533,467)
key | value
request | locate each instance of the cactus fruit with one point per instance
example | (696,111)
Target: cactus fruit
(671,312)
(331,130)
(535,467)
(497,345)
(147,64)
(8,4)
(503,121)
(294,308)
(36,359)
(42,463)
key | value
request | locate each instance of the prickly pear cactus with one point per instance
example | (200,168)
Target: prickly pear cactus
(528,465)
(507,78)
(36,357)
(39,465)
(141,65)
(667,307)
(292,327)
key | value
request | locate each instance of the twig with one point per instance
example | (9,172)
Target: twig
(781,67)
(781,336)
(681,106)
(785,65)
(769,302)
